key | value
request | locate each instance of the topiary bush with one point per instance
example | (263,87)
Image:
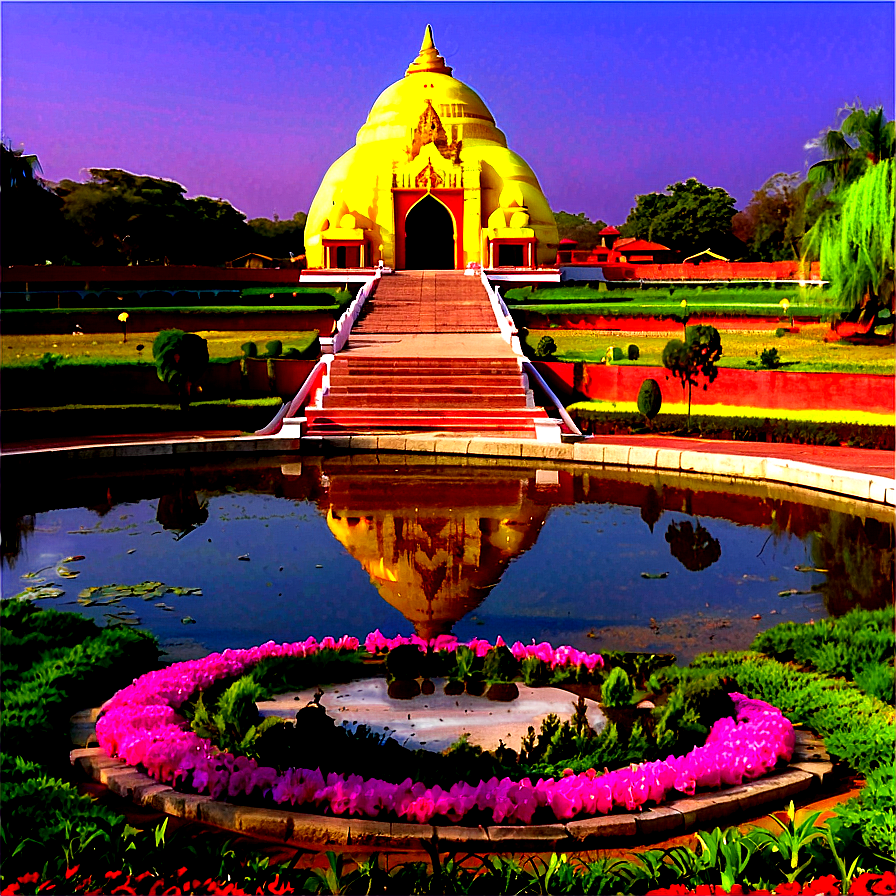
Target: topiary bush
(181,359)
(546,347)
(650,398)
(273,349)
(249,350)
(632,351)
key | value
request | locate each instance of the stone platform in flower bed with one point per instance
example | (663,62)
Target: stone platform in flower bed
(807,771)
(436,721)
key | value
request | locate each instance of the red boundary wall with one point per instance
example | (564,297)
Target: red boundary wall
(710,270)
(774,389)
(98,277)
(533,319)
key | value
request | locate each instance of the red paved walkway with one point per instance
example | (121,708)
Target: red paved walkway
(857,460)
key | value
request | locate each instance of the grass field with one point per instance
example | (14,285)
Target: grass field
(22,350)
(803,351)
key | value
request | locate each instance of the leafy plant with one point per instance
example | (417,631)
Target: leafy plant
(617,690)
(694,357)
(273,349)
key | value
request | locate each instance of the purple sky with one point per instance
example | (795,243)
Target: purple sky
(251,102)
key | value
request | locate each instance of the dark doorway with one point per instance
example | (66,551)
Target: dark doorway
(429,237)
(510,256)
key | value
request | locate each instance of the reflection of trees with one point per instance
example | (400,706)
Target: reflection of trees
(182,511)
(692,546)
(651,507)
(13,531)
(859,557)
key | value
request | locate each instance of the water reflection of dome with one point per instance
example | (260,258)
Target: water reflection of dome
(438,560)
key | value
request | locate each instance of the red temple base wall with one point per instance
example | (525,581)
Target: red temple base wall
(771,389)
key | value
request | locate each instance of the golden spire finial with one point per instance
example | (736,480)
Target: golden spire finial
(428,59)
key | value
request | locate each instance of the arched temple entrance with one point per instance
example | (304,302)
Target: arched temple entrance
(429,237)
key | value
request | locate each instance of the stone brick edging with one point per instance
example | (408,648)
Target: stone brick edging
(748,468)
(807,771)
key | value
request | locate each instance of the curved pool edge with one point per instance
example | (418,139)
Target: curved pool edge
(848,484)
(805,773)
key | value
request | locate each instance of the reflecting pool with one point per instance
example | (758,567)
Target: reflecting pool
(244,551)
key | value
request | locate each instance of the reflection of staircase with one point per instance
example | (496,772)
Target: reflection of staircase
(400,375)
(463,395)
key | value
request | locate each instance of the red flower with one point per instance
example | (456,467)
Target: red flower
(829,885)
(277,888)
(111,875)
(173,891)
(789,889)
(71,872)
(10,890)
(46,886)
(126,889)
(869,883)
(31,878)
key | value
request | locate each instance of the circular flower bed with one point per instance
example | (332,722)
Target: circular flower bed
(140,724)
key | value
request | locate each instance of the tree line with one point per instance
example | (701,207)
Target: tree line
(841,213)
(117,217)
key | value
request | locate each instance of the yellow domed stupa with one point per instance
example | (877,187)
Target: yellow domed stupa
(429,184)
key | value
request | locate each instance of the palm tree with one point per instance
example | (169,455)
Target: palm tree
(18,169)
(852,191)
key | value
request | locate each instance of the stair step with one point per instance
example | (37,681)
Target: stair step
(440,413)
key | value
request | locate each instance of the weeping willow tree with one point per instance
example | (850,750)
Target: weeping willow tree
(853,235)
(855,244)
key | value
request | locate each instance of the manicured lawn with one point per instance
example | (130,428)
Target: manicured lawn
(802,351)
(20,350)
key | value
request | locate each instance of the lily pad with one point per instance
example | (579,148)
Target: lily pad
(188,620)
(800,568)
(654,575)
(67,573)
(49,591)
(73,559)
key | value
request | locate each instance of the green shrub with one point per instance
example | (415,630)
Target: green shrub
(500,665)
(613,353)
(692,709)
(546,347)
(405,662)
(181,359)
(780,332)
(650,398)
(273,349)
(249,350)
(632,352)
(769,359)
(617,690)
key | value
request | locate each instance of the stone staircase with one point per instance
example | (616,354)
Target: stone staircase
(473,396)
(395,377)
(428,302)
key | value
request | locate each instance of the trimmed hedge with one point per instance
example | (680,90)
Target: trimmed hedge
(744,429)
(81,421)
